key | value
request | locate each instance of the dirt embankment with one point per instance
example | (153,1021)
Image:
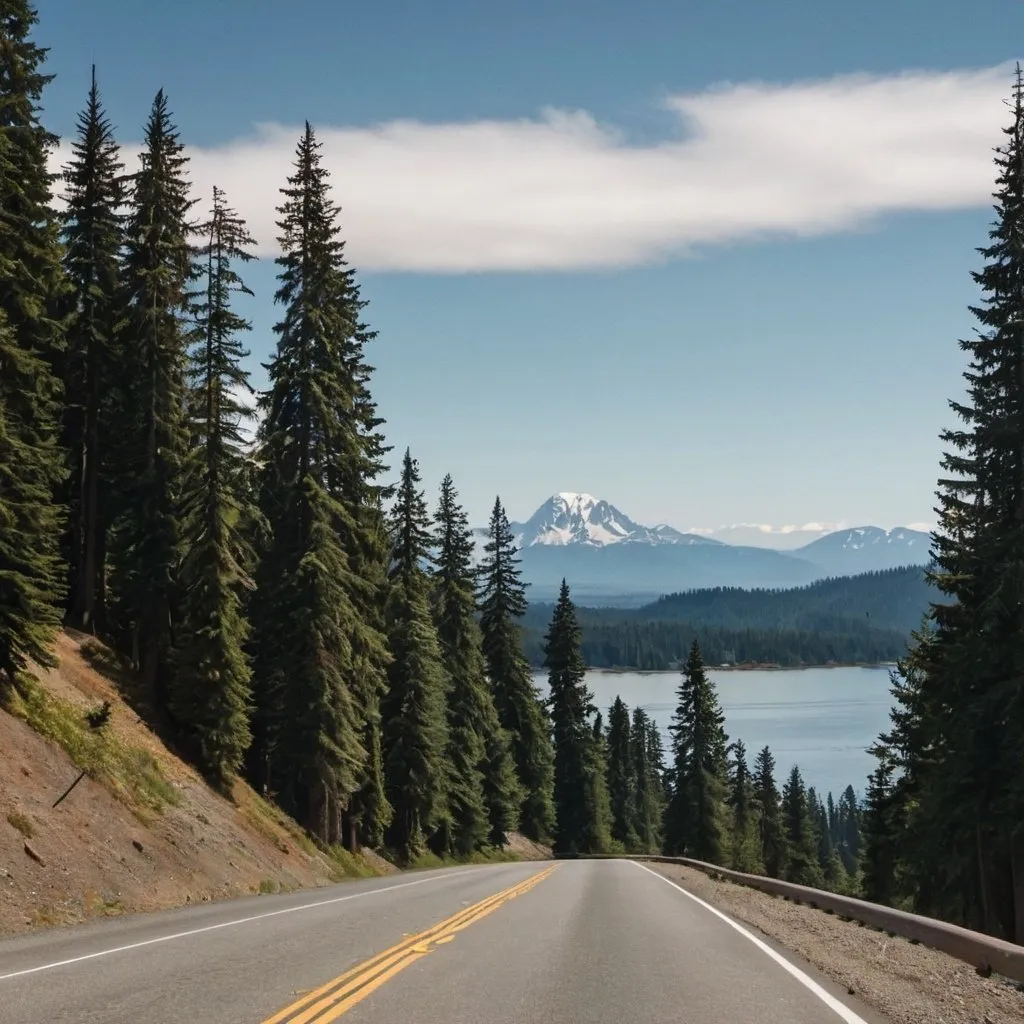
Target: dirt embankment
(909,984)
(142,830)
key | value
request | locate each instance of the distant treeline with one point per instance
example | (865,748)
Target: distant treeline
(855,619)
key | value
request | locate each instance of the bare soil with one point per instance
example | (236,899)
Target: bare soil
(909,984)
(101,852)
(527,849)
(142,830)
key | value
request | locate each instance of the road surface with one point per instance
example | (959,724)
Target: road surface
(572,942)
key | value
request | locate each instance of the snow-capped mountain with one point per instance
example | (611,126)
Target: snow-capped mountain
(571,518)
(609,558)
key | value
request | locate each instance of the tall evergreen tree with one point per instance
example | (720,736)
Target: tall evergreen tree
(581,809)
(801,839)
(881,846)
(212,683)
(832,818)
(158,274)
(774,852)
(694,817)
(93,232)
(649,800)
(32,287)
(484,792)
(744,846)
(314,727)
(962,752)
(832,871)
(848,830)
(358,479)
(622,778)
(414,724)
(656,758)
(502,603)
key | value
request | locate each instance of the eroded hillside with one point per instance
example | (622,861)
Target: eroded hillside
(142,830)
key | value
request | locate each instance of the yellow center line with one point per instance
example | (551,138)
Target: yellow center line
(330,1001)
(361,972)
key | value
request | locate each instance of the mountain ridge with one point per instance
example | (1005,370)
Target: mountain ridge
(605,555)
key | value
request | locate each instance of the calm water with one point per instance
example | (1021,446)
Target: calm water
(822,719)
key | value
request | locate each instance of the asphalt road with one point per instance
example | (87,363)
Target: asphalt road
(575,942)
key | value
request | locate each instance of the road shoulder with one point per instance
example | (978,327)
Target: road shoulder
(905,983)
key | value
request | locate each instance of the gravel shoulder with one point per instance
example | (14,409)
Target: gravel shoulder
(909,984)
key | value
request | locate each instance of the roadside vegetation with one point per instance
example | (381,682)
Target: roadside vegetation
(131,773)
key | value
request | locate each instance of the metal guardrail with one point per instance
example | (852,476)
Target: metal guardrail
(983,952)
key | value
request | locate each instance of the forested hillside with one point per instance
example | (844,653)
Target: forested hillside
(863,619)
(271,605)
(891,599)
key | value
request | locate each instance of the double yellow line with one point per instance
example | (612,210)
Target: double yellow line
(330,1001)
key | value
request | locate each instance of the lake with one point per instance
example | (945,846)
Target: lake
(822,719)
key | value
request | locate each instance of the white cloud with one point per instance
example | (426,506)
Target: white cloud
(562,191)
(765,535)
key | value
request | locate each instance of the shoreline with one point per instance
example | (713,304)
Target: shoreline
(747,666)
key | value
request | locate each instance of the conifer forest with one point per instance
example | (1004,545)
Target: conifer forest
(301,609)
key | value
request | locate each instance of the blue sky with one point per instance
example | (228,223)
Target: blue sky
(669,254)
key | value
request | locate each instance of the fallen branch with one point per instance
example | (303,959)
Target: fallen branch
(68,790)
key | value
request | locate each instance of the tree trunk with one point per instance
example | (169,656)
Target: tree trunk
(987,887)
(85,585)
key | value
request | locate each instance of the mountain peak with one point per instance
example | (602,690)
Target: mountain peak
(575,499)
(579,518)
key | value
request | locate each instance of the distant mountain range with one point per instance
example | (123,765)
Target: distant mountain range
(609,558)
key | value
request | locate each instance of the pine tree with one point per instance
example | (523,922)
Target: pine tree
(694,818)
(358,480)
(832,872)
(212,684)
(649,799)
(314,645)
(369,813)
(93,233)
(801,839)
(158,273)
(502,603)
(881,837)
(581,810)
(848,831)
(622,779)
(414,726)
(832,819)
(745,854)
(774,853)
(848,840)
(656,759)
(961,753)
(32,287)
(484,792)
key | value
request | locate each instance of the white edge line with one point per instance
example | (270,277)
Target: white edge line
(808,982)
(226,924)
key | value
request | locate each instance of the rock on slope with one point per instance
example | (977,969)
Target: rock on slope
(142,831)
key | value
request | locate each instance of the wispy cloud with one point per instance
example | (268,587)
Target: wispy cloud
(563,191)
(923,527)
(765,535)
(769,530)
